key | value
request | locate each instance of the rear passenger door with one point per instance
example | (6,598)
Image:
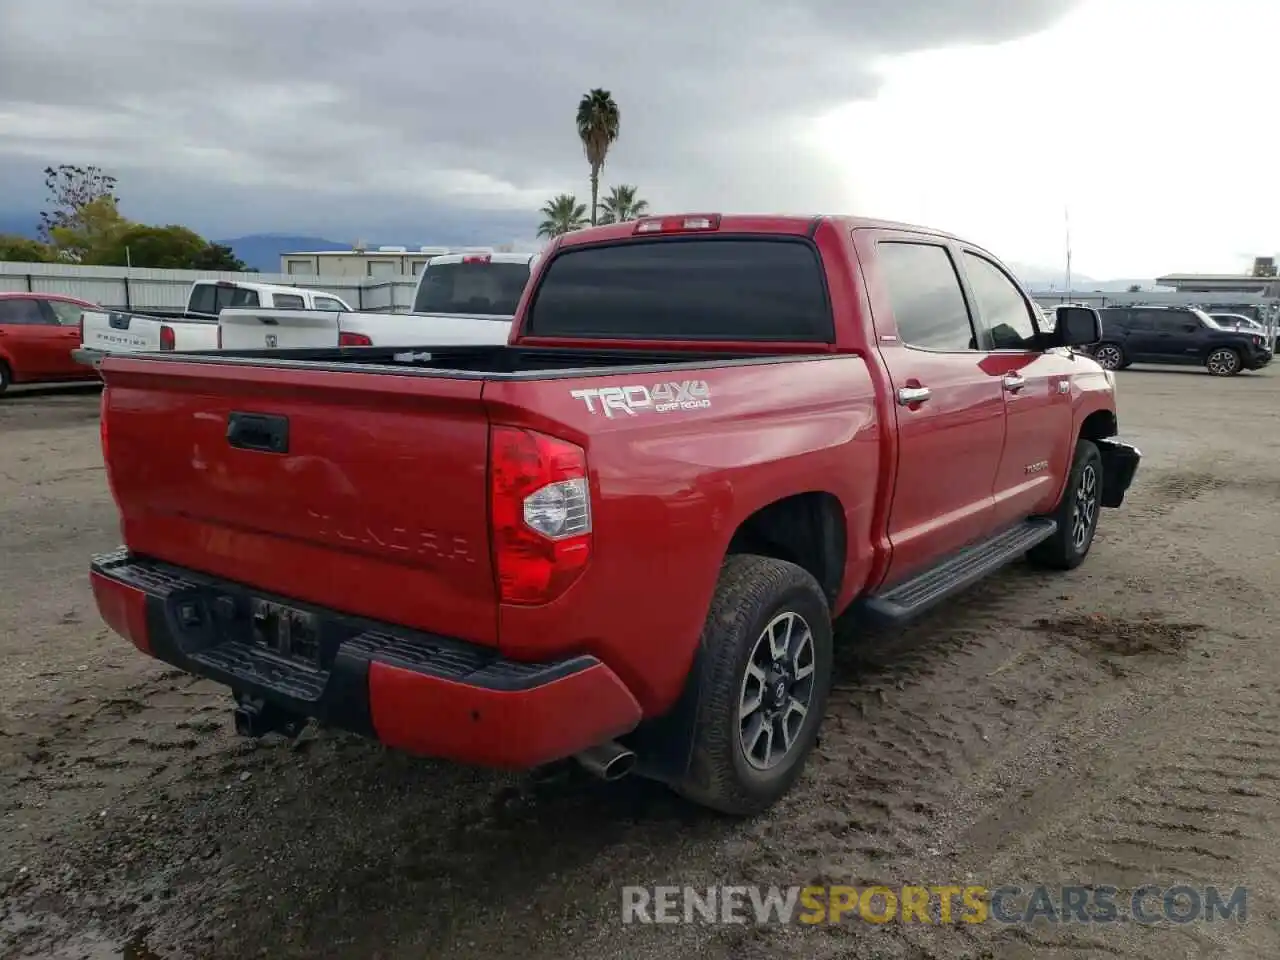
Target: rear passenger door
(1142,343)
(950,410)
(1039,433)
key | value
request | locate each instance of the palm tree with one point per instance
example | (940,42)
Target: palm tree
(563,213)
(622,205)
(598,122)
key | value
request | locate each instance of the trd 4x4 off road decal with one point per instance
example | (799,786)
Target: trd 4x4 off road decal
(660,398)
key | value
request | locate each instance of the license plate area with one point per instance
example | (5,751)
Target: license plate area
(285,631)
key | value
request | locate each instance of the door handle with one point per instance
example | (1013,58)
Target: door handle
(1013,383)
(910,395)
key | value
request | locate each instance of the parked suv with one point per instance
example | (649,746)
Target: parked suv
(1178,335)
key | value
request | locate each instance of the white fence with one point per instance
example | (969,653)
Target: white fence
(126,288)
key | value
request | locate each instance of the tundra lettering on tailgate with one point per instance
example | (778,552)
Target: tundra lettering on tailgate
(660,398)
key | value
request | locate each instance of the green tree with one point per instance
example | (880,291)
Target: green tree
(24,249)
(562,214)
(70,189)
(218,256)
(90,233)
(622,205)
(598,126)
(164,248)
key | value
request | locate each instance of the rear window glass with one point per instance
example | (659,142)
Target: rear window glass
(237,297)
(705,289)
(482,287)
(214,298)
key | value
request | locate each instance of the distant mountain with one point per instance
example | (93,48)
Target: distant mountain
(262,251)
(1050,280)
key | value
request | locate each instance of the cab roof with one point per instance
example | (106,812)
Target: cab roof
(713,223)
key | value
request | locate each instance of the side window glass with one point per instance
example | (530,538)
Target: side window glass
(288,301)
(67,314)
(925,295)
(21,311)
(1001,306)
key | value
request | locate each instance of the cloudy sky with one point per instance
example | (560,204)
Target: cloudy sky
(422,121)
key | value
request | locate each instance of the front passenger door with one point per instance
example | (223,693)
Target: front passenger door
(1179,336)
(1039,441)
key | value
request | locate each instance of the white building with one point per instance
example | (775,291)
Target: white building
(380,262)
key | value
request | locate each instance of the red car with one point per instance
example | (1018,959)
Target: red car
(38,331)
(623,536)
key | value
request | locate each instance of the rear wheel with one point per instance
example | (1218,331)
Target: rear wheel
(1223,362)
(1109,356)
(1077,513)
(766,670)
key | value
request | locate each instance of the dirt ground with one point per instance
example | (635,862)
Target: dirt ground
(1119,724)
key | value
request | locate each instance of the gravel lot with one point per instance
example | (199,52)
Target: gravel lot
(1116,725)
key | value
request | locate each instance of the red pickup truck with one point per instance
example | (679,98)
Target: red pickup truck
(623,536)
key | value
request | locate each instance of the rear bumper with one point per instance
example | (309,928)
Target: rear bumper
(412,691)
(1258,360)
(1119,464)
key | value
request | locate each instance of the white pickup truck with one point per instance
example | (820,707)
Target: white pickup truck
(196,328)
(460,299)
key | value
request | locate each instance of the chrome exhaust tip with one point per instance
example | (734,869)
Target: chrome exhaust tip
(609,761)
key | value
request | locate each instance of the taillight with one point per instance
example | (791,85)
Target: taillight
(540,502)
(477,258)
(219,336)
(166,337)
(687,224)
(82,327)
(1257,341)
(354,340)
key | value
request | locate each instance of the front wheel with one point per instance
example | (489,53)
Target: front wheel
(5,377)
(1077,513)
(766,670)
(1223,363)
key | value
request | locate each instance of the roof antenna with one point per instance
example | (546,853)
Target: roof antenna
(1066,213)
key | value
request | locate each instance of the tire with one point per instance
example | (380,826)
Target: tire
(6,377)
(1110,356)
(755,594)
(1223,362)
(1077,513)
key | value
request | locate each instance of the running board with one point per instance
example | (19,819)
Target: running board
(925,590)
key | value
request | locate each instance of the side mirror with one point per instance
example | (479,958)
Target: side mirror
(1076,327)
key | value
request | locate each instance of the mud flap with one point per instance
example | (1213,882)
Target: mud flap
(664,745)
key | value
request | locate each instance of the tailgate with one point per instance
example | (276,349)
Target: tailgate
(417,330)
(248,329)
(119,332)
(364,494)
